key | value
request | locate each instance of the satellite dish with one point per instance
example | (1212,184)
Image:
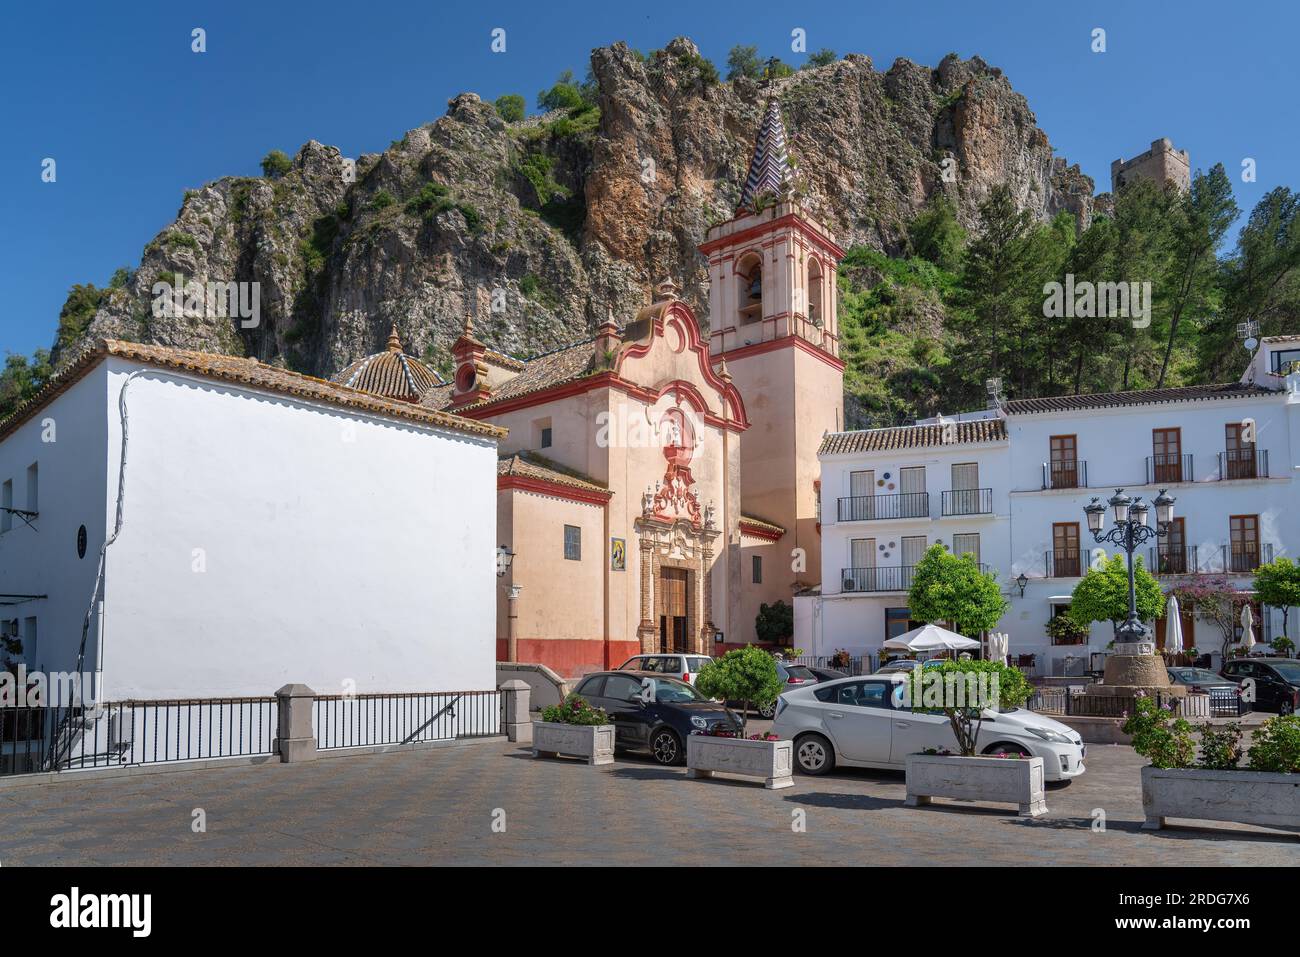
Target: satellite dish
(1251,343)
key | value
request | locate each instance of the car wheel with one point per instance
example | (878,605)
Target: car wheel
(1285,707)
(813,754)
(767,711)
(666,747)
(1003,747)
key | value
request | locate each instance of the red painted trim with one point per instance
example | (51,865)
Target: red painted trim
(542,486)
(797,342)
(571,657)
(790,219)
(759,532)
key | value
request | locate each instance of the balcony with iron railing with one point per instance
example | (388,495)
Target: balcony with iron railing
(1246,463)
(1168,468)
(873,508)
(967,501)
(880,578)
(1243,559)
(1063,563)
(1066,473)
(1173,560)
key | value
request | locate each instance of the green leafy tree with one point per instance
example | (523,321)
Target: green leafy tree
(744,61)
(1205,214)
(747,675)
(963,690)
(275,164)
(511,107)
(1102,593)
(1212,599)
(568,94)
(823,57)
(775,622)
(1277,583)
(21,378)
(936,235)
(949,588)
(1275,745)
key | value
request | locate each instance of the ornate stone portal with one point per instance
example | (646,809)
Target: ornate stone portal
(667,546)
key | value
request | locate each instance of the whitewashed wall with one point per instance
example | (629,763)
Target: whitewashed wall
(268,541)
(68,440)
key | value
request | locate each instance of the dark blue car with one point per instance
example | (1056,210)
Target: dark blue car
(654,713)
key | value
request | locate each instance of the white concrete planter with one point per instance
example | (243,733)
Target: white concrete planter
(1017,781)
(773,761)
(592,742)
(1243,797)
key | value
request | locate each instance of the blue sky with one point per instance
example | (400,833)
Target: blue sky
(133,118)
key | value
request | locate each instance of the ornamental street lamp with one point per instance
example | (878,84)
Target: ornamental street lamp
(1130,531)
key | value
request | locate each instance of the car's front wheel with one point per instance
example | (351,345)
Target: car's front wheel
(768,710)
(1285,707)
(1004,747)
(666,747)
(813,754)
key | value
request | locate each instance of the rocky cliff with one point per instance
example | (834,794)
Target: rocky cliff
(542,226)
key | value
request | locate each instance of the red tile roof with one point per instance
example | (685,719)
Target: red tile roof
(912,437)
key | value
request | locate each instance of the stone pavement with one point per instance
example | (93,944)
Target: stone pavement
(439,807)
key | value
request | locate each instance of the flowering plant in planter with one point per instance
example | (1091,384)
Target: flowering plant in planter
(718,731)
(1158,735)
(575,710)
(1276,745)
(840,659)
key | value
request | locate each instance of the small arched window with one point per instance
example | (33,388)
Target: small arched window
(749,277)
(815,292)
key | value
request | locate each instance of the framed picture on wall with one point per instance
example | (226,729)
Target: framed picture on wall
(617,554)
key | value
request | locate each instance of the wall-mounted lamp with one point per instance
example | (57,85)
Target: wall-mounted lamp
(1022,581)
(504,559)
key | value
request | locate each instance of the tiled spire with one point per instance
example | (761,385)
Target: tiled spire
(769,170)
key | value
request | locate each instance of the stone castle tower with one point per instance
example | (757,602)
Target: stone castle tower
(773,321)
(1161,162)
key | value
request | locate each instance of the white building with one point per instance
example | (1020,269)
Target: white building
(1010,484)
(263,527)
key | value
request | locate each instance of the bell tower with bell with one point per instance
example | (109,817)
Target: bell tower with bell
(773,321)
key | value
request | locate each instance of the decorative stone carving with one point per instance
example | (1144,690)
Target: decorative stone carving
(770,760)
(1017,781)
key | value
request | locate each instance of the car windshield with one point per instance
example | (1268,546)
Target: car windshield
(668,691)
(697,664)
(632,664)
(1289,670)
(1192,675)
(799,671)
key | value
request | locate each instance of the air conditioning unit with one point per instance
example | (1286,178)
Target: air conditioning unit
(850,585)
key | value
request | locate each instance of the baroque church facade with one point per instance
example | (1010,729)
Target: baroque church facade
(656,488)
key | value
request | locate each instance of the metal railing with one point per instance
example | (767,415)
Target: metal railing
(1066,473)
(1064,701)
(1165,560)
(1247,463)
(1169,467)
(122,733)
(1239,560)
(1063,563)
(966,501)
(854,667)
(352,721)
(871,508)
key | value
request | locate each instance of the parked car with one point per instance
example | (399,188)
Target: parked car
(826,674)
(1276,681)
(686,667)
(792,676)
(901,666)
(1199,680)
(864,723)
(655,717)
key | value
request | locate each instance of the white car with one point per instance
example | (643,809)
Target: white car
(681,666)
(864,723)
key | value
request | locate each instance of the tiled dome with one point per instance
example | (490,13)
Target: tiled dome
(391,373)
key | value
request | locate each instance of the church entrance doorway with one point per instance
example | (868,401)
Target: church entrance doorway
(672,610)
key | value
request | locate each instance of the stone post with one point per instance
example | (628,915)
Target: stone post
(512,615)
(295,737)
(518,725)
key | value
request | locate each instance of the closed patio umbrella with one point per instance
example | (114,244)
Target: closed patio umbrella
(1173,626)
(1247,628)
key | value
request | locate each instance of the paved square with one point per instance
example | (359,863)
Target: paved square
(438,807)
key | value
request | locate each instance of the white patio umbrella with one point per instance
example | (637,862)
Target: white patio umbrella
(931,638)
(1173,626)
(1247,628)
(998,646)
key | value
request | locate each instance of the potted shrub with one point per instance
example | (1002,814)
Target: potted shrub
(744,676)
(1265,793)
(963,690)
(573,727)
